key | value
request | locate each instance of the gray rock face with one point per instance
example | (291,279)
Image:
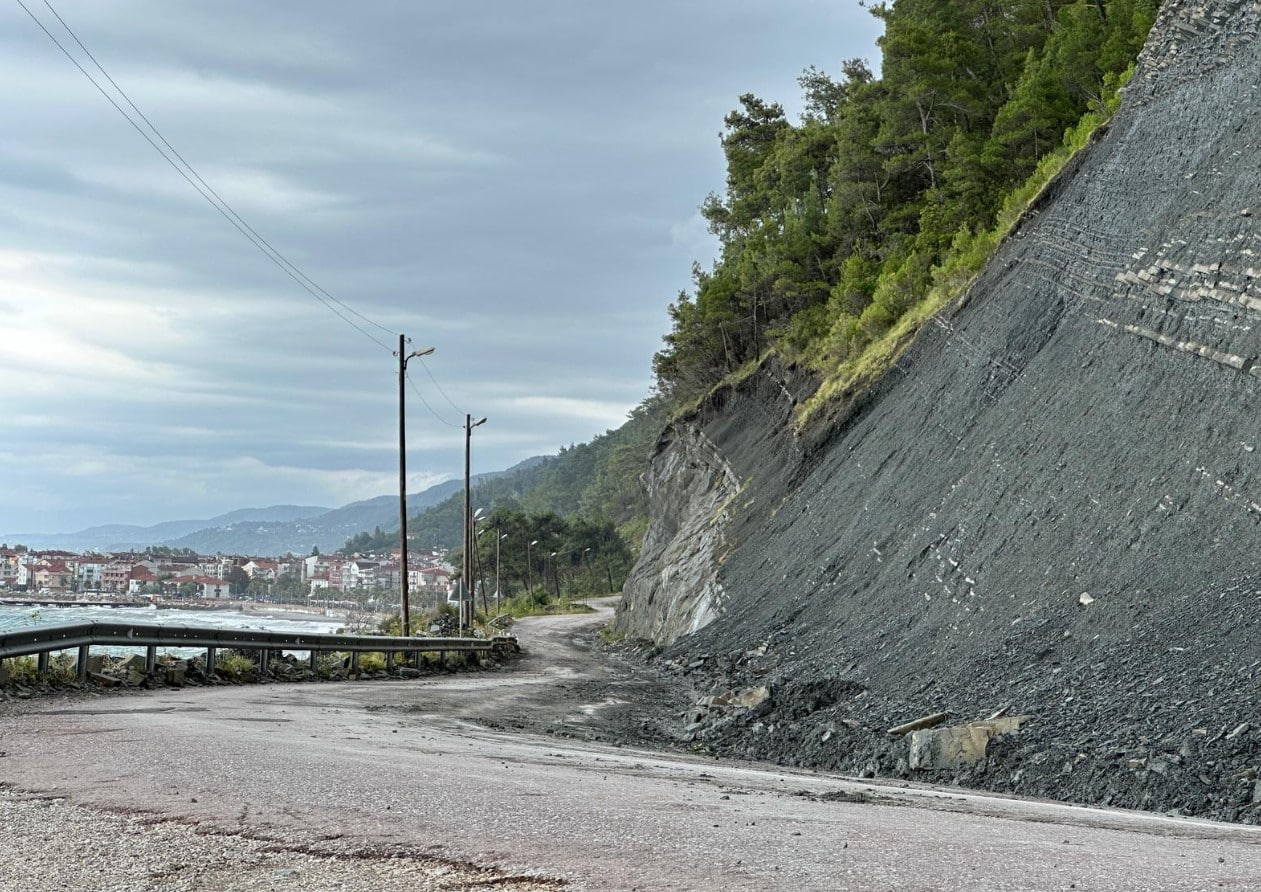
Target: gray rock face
(1087,421)
(697,487)
(674,589)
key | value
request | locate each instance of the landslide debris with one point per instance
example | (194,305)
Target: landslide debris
(1052,504)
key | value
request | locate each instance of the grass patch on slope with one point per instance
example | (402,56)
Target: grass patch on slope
(953,278)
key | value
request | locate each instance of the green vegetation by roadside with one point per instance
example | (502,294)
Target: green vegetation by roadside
(495,617)
(541,603)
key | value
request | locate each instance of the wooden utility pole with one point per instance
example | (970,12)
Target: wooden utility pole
(403,356)
(466,573)
(402,489)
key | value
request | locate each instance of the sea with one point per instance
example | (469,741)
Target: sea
(13,618)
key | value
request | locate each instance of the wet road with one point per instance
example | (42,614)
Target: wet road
(403,767)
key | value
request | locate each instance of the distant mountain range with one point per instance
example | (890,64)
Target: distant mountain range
(260,531)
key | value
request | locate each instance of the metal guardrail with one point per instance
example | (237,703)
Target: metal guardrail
(44,640)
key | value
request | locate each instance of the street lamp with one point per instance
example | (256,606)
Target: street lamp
(469,424)
(403,357)
(586,556)
(499,597)
(529,566)
(479,569)
(499,537)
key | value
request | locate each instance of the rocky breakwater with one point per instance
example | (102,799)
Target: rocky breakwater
(1051,506)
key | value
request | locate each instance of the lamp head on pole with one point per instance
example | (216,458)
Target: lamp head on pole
(414,354)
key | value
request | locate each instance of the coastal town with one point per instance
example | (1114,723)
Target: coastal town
(163,574)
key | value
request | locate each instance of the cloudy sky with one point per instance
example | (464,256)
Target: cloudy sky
(514,184)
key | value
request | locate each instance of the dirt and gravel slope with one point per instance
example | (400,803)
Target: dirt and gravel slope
(1051,505)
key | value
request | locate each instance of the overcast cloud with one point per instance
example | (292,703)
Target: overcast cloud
(514,184)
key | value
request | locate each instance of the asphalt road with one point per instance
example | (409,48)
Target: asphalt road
(406,770)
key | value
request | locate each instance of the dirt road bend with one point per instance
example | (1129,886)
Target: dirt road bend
(513,779)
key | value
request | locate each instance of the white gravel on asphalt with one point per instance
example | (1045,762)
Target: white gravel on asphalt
(49,845)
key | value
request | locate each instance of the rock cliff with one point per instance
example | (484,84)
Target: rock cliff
(1052,503)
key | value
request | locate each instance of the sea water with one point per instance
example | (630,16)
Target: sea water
(16,618)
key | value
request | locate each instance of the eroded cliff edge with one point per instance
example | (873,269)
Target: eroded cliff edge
(1087,424)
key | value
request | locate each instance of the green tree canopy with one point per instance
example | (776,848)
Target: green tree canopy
(830,226)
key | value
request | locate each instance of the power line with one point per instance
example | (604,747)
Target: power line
(425,402)
(334,305)
(440,390)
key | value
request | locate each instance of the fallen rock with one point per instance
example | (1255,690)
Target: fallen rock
(942,749)
(749,698)
(102,680)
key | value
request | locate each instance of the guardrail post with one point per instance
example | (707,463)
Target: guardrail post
(354,661)
(210,661)
(151,659)
(314,655)
(264,656)
(83,662)
(41,663)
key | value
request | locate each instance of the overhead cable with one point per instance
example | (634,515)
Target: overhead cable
(425,402)
(339,308)
(440,390)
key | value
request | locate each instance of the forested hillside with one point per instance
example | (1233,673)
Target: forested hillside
(586,505)
(833,227)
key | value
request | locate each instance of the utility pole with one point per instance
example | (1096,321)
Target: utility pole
(467,571)
(403,356)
